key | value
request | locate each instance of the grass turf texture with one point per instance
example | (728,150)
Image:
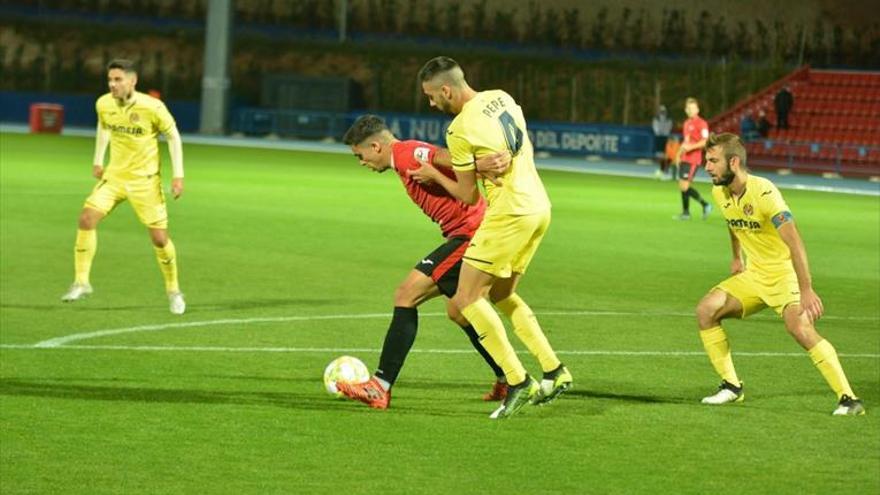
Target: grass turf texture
(264,234)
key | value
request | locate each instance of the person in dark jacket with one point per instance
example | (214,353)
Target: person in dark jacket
(783,103)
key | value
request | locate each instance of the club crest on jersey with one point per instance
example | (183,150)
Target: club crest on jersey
(748,209)
(421,153)
(134,118)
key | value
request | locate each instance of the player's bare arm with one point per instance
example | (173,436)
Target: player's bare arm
(464,188)
(736,262)
(811,304)
(490,166)
(175,149)
(102,139)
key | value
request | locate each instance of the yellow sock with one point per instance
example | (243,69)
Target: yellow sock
(84,253)
(825,358)
(529,331)
(167,258)
(494,339)
(718,349)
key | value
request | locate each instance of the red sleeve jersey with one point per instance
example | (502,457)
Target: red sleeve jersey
(454,217)
(695,129)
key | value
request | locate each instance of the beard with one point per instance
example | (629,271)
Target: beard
(445,107)
(725,179)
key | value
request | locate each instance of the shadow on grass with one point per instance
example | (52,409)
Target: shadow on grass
(481,388)
(159,305)
(245,304)
(76,307)
(626,397)
(313,399)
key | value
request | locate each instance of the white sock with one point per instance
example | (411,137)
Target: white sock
(385,385)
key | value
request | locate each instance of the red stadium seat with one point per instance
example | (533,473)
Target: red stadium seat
(835,115)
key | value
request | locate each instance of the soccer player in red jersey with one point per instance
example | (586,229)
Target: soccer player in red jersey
(690,157)
(437,273)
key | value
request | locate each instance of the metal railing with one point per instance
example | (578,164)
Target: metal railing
(810,157)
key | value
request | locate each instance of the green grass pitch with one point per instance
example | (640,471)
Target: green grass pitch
(289,259)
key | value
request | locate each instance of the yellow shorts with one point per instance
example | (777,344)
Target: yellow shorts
(505,244)
(144,194)
(758,291)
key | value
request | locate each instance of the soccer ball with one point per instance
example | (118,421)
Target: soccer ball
(345,369)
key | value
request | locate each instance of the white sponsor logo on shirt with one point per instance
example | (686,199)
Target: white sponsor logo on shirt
(421,153)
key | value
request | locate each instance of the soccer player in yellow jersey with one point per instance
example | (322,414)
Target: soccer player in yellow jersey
(130,122)
(775,273)
(516,219)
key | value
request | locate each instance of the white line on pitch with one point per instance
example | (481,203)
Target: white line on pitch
(59,341)
(343,350)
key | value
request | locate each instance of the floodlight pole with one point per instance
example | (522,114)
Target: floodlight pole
(342,19)
(215,81)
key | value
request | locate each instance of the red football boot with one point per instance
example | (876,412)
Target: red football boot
(370,393)
(498,392)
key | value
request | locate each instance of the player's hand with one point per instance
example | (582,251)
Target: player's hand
(97,171)
(494,165)
(424,174)
(177,187)
(811,305)
(736,266)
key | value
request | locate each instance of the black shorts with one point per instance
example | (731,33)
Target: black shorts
(444,264)
(687,171)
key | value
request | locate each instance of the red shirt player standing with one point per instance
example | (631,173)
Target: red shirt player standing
(690,157)
(437,273)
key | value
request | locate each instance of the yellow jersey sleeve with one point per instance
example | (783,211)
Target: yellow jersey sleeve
(770,201)
(98,112)
(461,152)
(162,118)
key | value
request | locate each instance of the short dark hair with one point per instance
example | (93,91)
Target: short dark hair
(124,64)
(364,127)
(435,66)
(731,145)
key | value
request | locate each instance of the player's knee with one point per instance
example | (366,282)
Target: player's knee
(499,294)
(159,238)
(87,221)
(805,334)
(707,312)
(406,297)
(457,317)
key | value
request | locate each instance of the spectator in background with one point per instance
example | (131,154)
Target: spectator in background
(748,128)
(783,103)
(763,125)
(662,126)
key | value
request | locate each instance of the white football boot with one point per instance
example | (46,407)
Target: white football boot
(727,393)
(849,406)
(76,292)
(176,304)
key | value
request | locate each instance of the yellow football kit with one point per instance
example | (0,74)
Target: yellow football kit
(518,212)
(133,171)
(769,278)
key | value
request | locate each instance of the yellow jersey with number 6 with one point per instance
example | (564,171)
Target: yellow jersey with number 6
(491,122)
(134,128)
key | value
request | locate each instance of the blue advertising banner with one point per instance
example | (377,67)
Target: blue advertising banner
(555,138)
(593,139)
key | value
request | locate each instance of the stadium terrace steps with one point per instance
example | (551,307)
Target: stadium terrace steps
(834,123)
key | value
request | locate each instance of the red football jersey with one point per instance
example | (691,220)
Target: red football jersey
(694,129)
(454,217)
